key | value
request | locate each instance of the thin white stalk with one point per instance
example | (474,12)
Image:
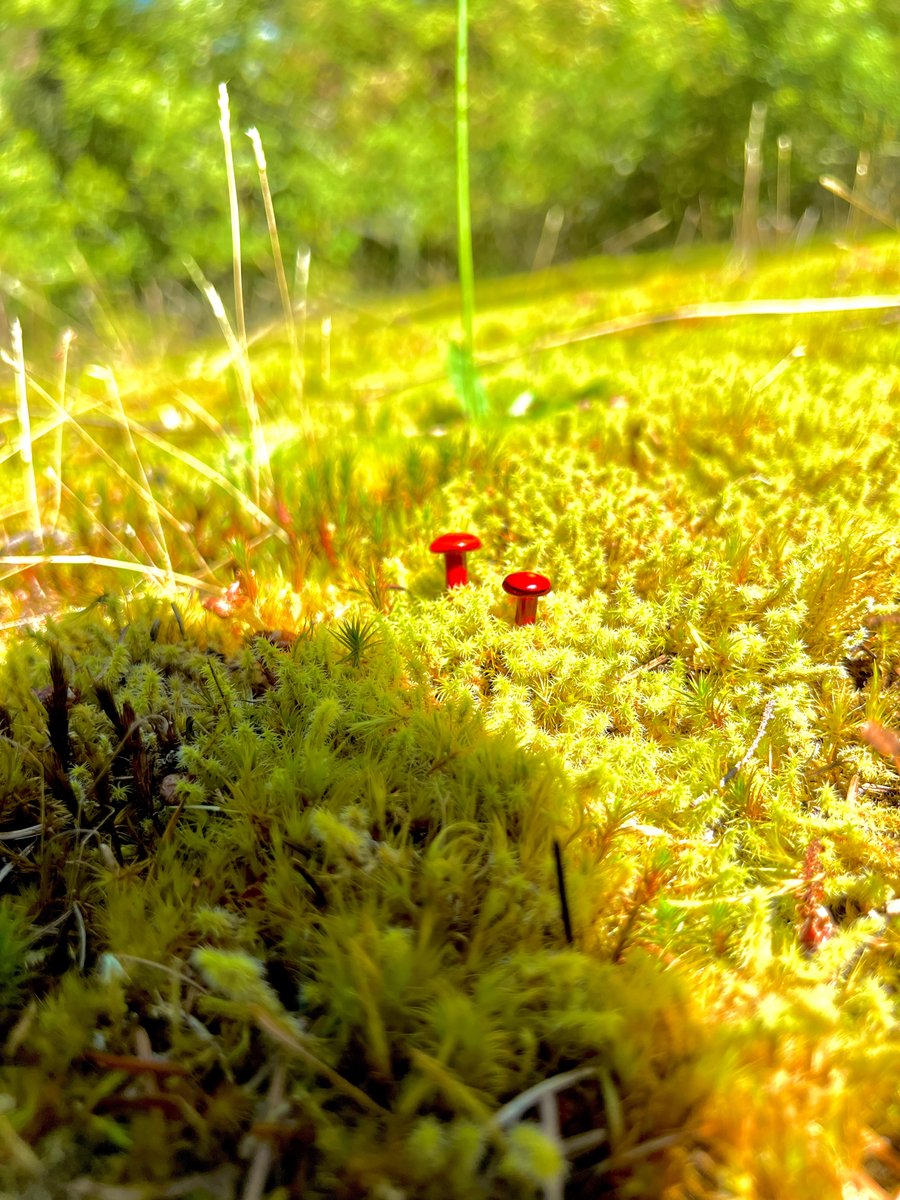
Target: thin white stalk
(202,468)
(301,289)
(830,184)
(110,461)
(553,223)
(326,352)
(724,311)
(259,458)
(18,358)
(259,154)
(783,191)
(93,560)
(118,410)
(515,1109)
(65,343)
(860,187)
(748,237)
(225,126)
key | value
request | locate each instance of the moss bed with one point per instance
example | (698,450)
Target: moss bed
(284,873)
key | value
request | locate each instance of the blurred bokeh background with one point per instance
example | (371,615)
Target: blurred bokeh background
(595,125)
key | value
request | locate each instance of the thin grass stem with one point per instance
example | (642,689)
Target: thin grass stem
(225,127)
(25,446)
(111,462)
(65,343)
(465,258)
(830,184)
(259,153)
(748,235)
(197,410)
(723,311)
(119,414)
(301,306)
(259,458)
(783,191)
(104,529)
(24,561)
(214,476)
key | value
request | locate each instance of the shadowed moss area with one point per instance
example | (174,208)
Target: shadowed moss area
(283,915)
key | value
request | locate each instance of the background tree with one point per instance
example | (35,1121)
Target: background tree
(110,157)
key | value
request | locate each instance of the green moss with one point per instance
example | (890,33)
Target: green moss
(315,868)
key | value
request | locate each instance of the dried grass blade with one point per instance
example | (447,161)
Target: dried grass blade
(830,184)
(23,561)
(119,470)
(113,394)
(259,462)
(515,1109)
(65,343)
(286,1037)
(18,357)
(708,312)
(225,127)
(213,476)
(262,169)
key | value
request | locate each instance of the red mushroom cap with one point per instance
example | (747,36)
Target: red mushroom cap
(454,541)
(526,583)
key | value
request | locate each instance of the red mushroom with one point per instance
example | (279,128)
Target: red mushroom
(455,547)
(526,586)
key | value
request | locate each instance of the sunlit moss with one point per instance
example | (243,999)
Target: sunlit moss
(305,847)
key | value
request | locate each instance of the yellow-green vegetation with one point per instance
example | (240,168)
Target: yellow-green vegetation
(282,911)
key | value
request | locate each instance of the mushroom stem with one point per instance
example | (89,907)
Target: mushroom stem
(455,568)
(455,547)
(527,587)
(526,610)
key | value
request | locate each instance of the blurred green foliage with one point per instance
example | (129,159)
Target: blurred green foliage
(111,158)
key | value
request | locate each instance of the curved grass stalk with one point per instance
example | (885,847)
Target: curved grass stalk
(515,1109)
(23,561)
(286,1037)
(252,509)
(115,466)
(112,391)
(723,311)
(188,460)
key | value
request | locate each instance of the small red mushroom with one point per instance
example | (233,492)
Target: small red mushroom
(455,547)
(526,586)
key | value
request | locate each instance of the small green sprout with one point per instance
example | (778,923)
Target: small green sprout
(357,636)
